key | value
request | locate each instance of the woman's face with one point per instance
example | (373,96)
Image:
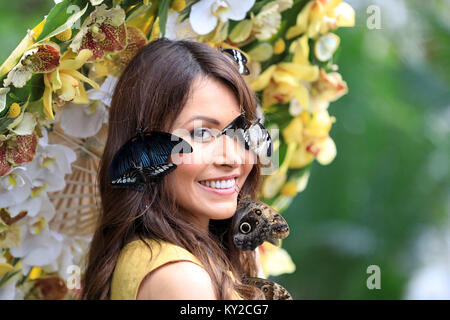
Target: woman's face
(206,182)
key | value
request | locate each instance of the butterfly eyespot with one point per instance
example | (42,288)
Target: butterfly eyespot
(258,212)
(245,227)
(265,289)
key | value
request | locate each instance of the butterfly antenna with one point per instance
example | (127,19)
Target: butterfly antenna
(237,189)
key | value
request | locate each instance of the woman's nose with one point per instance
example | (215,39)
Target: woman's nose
(228,151)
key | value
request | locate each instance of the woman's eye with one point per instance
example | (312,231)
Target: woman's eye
(201,134)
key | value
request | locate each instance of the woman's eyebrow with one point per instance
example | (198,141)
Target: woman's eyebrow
(203,118)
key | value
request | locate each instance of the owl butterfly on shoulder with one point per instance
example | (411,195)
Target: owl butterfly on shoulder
(271,289)
(255,222)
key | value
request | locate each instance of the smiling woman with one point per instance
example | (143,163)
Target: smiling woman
(204,184)
(173,240)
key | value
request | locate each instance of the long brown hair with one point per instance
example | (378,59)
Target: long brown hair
(150,93)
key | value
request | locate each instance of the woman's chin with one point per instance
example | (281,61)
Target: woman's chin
(219,211)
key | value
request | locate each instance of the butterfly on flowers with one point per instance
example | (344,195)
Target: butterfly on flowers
(240,59)
(143,159)
(254,135)
(271,289)
(255,222)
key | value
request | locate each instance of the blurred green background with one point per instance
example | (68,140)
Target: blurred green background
(385,200)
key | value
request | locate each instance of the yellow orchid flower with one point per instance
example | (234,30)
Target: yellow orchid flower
(279,46)
(274,182)
(286,80)
(319,125)
(320,16)
(327,88)
(66,81)
(283,81)
(310,132)
(275,260)
(296,184)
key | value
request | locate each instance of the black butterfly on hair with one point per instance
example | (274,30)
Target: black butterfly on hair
(255,222)
(240,59)
(143,159)
(254,135)
(271,289)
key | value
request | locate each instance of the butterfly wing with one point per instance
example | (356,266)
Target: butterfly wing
(259,140)
(131,155)
(239,58)
(160,145)
(240,122)
(144,158)
(245,71)
(157,171)
(254,137)
(131,179)
(271,289)
(255,222)
(237,128)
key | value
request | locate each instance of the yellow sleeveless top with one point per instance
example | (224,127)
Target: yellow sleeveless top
(136,261)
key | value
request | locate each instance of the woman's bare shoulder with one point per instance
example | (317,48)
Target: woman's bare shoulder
(179,280)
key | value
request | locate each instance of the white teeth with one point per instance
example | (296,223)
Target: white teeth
(219,184)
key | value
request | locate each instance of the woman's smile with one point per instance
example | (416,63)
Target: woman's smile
(223,186)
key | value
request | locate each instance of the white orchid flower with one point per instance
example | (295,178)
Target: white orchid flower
(32,205)
(205,13)
(15,187)
(51,163)
(37,249)
(85,120)
(73,251)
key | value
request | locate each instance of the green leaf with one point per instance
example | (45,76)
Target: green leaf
(163,11)
(8,276)
(282,151)
(128,3)
(258,6)
(4,123)
(137,11)
(62,17)
(33,90)
(36,86)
